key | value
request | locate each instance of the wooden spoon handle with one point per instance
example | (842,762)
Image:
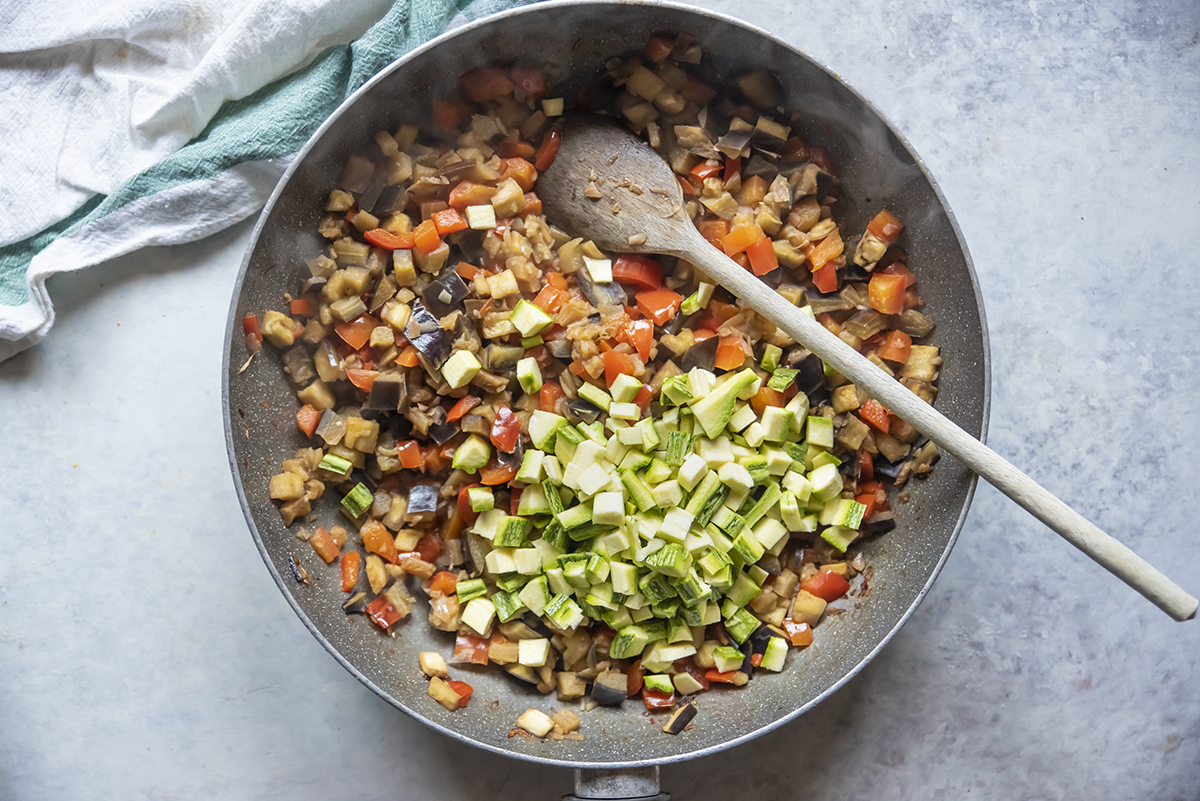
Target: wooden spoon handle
(1111,554)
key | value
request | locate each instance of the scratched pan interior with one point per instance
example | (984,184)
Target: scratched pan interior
(877,169)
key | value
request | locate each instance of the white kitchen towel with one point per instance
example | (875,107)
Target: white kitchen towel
(155,122)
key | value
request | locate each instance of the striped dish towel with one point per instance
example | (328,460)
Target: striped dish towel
(157,122)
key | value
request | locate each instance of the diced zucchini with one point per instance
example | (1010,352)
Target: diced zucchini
(775,655)
(840,537)
(481,499)
(543,429)
(460,368)
(533,652)
(478,615)
(819,431)
(531,470)
(472,454)
(624,388)
(528,318)
(529,375)
(597,396)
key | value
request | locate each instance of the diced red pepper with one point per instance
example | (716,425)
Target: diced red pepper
(517,149)
(357,332)
(465,404)
(429,547)
(825,279)
(495,473)
(377,540)
(874,414)
(408,357)
(468,193)
(444,582)
(550,299)
(866,465)
(634,676)
(896,347)
(308,418)
(827,249)
(469,649)
(425,237)
(549,395)
(885,293)
(766,397)
(718,677)
(447,114)
(826,584)
(898,268)
(251,327)
(383,612)
(548,150)
(528,81)
(656,699)
(409,453)
(349,565)
(733,166)
(885,226)
(639,335)
(731,352)
(484,84)
(762,257)
(447,221)
(615,364)
(642,271)
(660,305)
(323,543)
(301,307)
(381,237)
(714,230)
(463,689)
(742,237)
(643,397)
(867,499)
(657,48)
(464,505)
(705,169)
(533,205)
(799,632)
(363,379)
(521,171)
(506,430)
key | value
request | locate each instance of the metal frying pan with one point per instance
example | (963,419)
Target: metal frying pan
(877,168)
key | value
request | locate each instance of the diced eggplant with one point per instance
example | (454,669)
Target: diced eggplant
(770,563)
(759,639)
(732,143)
(703,355)
(522,672)
(422,499)
(371,194)
(586,411)
(355,603)
(442,432)
(610,688)
(386,392)
(298,571)
(761,88)
(880,523)
(680,718)
(391,200)
(761,166)
(559,348)
(400,427)
(812,373)
(769,135)
(885,469)
(445,294)
(432,341)
(299,365)
(502,358)
(601,295)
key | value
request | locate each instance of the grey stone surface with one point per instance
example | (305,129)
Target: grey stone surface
(144,652)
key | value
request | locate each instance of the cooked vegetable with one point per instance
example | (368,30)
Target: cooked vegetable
(600,468)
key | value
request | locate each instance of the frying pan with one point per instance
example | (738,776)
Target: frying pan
(877,167)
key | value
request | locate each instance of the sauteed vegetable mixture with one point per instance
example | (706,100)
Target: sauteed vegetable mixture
(605,474)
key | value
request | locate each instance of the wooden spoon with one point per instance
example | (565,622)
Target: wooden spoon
(640,210)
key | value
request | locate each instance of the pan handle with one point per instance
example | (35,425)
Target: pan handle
(615,784)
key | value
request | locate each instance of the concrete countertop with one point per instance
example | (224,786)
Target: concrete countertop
(145,652)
